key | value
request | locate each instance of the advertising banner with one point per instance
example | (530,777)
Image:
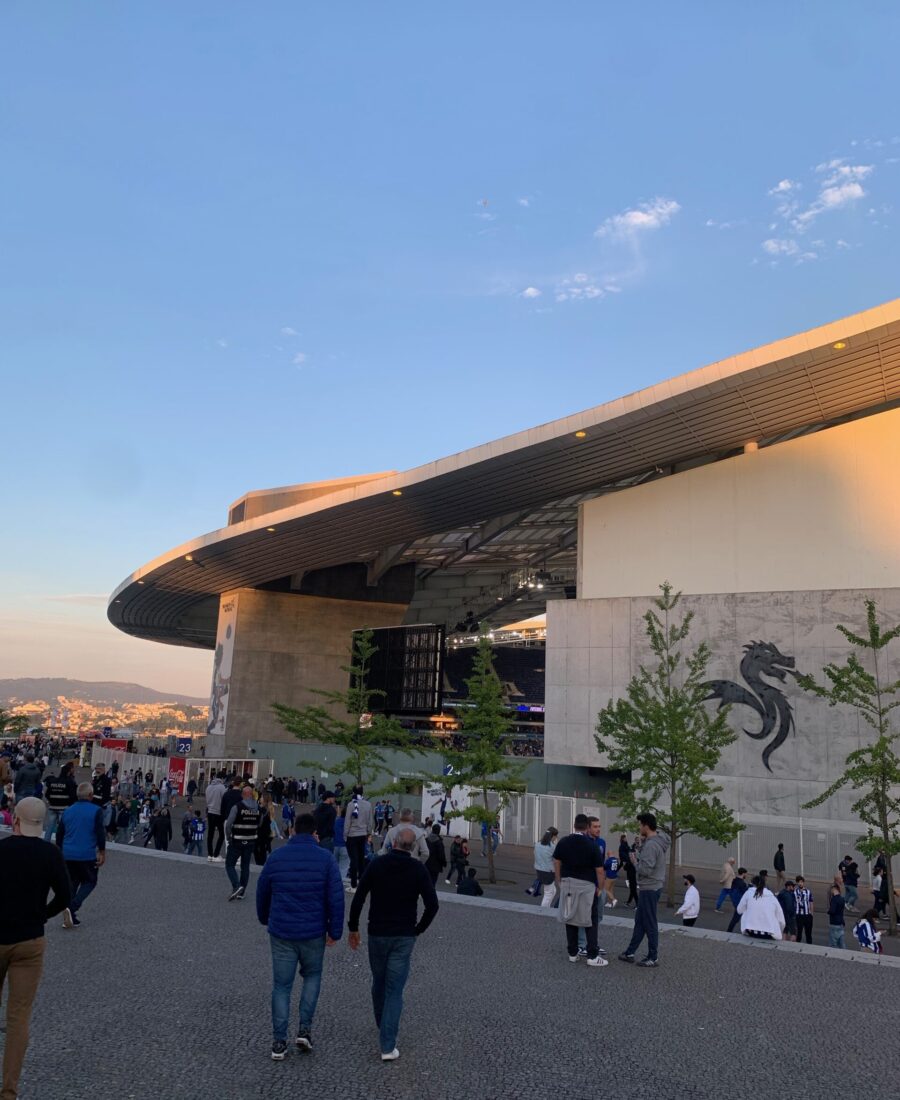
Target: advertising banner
(177,771)
(115,743)
(439,801)
(221,681)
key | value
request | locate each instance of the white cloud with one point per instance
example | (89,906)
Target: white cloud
(531,292)
(579,287)
(222,343)
(639,219)
(524,202)
(779,247)
(841,243)
(299,359)
(841,185)
(288,331)
(784,187)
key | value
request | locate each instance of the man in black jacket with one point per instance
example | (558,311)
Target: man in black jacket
(396,881)
(36,868)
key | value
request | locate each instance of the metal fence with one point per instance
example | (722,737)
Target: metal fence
(812,848)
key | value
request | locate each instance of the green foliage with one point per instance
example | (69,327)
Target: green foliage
(12,725)
(665,735)
(872,771)
(482,764)
(363,745)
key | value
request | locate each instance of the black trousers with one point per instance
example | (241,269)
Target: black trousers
(356,853)
(804,925)
(216,834)
(590,932)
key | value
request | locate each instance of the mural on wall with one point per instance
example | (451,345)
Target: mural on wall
(221,681)
(768,701)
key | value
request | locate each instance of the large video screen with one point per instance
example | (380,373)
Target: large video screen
(408,667)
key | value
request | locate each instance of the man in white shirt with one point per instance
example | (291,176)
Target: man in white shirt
(690,908)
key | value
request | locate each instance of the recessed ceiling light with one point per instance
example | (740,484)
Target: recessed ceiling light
(580,435)
(270,528)
(140,582)
(396,492)
(188,557)
(840,345)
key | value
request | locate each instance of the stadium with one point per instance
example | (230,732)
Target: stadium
(762,486)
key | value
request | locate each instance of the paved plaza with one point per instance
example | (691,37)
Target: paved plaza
(164,992)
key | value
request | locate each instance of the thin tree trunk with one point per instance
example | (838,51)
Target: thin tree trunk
(492,877)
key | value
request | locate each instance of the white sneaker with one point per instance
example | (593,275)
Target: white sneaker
(573,958)
(447,881)
(615,902)
(599,961)
(392,1057)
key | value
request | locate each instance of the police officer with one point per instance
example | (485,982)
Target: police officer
(241,827)
(59,794)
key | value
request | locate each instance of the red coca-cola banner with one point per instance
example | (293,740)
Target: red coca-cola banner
(177,770)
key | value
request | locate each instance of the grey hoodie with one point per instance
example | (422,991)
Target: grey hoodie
(651,862)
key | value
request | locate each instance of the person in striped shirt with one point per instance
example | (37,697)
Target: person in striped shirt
(803,900)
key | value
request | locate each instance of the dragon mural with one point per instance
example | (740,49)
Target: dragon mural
(768,701)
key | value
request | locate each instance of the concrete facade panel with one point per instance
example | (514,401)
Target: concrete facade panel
(817,513)
(285,646)
(803,627)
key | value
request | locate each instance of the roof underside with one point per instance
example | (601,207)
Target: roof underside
(512,505)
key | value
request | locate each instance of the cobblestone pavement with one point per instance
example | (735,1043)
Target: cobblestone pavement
(164,992)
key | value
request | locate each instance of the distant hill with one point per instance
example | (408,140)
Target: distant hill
(46,689)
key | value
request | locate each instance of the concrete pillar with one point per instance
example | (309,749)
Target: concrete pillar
(273,647)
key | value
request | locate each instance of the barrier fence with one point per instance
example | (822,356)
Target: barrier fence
(812,848)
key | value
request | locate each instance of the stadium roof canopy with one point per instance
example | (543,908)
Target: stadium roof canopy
(512,504)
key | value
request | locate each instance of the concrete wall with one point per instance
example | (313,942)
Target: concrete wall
(284,646)
(594,647)
(817,513)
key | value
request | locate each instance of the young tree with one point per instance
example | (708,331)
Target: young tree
(481,763)
(874,770)
(12,725)
(668,739)
(362,736)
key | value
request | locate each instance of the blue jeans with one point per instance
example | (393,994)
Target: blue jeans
(836,935)
(287,955)
(239,850)
(51,824)
(195,845)
(645,923)
(389,958)
(724,895)
(851,896)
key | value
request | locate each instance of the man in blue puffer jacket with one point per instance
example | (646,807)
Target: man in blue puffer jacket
(300,899)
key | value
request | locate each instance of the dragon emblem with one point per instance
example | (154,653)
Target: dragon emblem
(776,713)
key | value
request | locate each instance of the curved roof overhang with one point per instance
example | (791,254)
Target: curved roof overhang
(440,514)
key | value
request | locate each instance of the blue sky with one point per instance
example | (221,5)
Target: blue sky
(251,245)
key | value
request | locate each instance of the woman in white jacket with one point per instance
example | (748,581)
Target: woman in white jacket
(761,915)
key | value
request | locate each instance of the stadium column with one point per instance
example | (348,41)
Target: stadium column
(275,647)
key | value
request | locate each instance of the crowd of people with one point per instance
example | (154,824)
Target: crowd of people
(337,843)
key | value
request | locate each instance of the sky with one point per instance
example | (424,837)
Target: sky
(245,245)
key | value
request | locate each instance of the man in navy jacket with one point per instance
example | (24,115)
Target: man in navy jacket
(300,898)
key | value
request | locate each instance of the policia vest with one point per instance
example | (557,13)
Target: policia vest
(246,822)
(57,792)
